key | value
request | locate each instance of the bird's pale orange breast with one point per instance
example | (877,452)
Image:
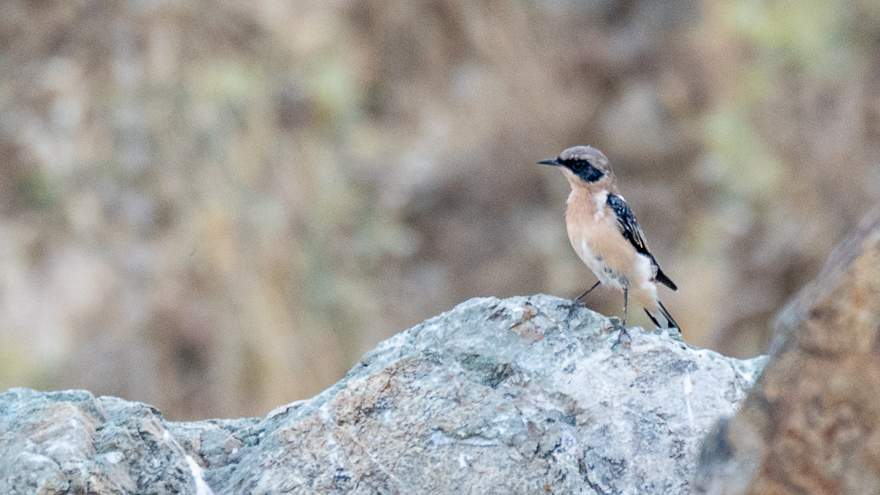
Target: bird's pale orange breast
(596,238)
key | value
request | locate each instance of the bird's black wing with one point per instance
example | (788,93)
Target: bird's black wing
(628,225)
(630,229)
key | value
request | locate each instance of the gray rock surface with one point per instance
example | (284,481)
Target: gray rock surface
(494,396)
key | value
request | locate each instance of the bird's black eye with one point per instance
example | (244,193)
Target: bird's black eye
(583,169)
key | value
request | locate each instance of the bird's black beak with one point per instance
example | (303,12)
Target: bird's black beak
(554,162)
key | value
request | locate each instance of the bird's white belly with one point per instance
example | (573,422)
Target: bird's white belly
(640,274)
(597,265)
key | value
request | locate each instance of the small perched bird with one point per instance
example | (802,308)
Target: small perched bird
(605,234)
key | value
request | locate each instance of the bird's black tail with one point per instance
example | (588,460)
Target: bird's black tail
(662,319)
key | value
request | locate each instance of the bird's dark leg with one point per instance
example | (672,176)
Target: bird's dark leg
(588,291)
(574,304)
(622,327)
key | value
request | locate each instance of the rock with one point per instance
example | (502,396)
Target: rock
(70,442)
(811,424)
(494,396)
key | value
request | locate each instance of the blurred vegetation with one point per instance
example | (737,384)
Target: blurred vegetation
(217,207)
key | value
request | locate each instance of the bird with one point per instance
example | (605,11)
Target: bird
(606,236)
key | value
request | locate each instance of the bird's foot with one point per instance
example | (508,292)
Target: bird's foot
(623,336)
(572,308)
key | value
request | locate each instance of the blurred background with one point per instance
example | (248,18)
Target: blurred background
(217,207)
